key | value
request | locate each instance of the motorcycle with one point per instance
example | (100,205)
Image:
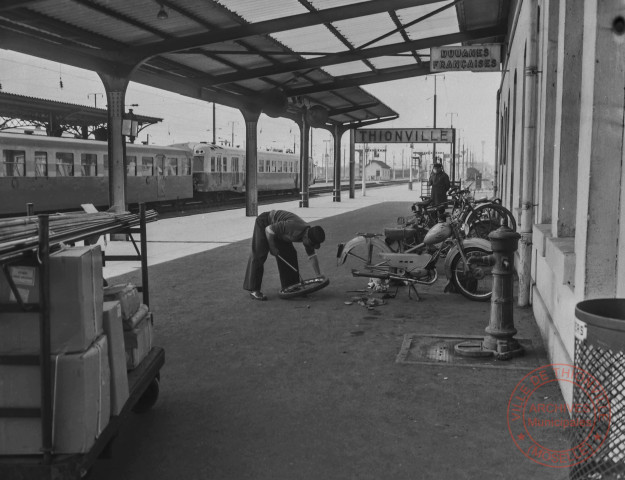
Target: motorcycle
(467,267)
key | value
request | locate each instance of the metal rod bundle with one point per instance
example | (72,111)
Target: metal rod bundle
(21,234)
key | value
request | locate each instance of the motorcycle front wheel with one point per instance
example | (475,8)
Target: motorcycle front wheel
(474,281)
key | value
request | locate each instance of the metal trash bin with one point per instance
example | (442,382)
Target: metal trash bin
(599,351)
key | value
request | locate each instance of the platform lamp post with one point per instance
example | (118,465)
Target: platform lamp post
(130,124)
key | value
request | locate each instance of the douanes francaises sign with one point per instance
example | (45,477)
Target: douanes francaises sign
(474,58)
(404,135)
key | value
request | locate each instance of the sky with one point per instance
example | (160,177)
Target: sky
(464,98)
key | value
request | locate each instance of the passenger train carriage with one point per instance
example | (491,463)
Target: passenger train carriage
(61,173)
(219,171)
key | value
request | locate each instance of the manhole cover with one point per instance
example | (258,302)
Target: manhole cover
(439,350)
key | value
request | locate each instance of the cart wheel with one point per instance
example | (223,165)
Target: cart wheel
(149,397)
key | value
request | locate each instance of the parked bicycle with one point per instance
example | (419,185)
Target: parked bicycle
(477,218)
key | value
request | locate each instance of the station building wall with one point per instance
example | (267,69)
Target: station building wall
(567,134)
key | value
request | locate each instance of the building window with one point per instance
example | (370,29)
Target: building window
(64,164)
(41,164)
(13,163)
(88,164)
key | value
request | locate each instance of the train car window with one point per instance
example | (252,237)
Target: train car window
(13,163)
(172,166)
(267,166)
(225,164)
(273,166)
(88,165)
(261,166)
(131,166)
(212,164)
(279,166)
(64,164)
(146,169)
(185,166)
(41,164)
(198,163)
(296,165)
(235,164)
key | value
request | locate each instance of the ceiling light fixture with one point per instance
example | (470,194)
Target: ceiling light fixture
(162,13)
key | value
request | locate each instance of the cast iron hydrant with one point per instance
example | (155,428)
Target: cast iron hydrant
(499,340)
(500,331)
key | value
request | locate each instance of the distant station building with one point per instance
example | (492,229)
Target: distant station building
(377,170)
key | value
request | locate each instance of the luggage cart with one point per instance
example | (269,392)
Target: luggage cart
(143,381)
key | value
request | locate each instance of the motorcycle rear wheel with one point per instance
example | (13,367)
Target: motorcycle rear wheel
(473,282)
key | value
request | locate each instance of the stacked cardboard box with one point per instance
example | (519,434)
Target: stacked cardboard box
(114,330)
(81,375)
(137,321)
(75,303)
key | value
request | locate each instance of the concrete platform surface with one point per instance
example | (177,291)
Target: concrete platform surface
(310,388)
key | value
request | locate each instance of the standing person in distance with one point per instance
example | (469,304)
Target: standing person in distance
(275,232)
(439,183)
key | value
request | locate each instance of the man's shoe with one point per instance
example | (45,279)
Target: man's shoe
(258,296)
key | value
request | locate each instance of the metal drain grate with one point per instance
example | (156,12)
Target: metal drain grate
(428,349)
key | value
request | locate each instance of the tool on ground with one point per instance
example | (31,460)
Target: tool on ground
(292,268)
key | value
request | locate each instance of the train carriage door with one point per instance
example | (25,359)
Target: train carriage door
(235,170)
(218,164)
(160,176)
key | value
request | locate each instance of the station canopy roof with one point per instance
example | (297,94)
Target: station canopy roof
(20,110)
(276,55)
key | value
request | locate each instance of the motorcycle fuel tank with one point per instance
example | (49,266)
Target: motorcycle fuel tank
(438,233)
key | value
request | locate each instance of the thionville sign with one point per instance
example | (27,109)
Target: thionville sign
(404,135)
(474,58)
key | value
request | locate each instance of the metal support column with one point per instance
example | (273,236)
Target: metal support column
(352,163)
(115,87)
(251,162)
(337,133)
(304,160)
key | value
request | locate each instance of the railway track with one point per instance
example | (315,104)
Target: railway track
(194,207)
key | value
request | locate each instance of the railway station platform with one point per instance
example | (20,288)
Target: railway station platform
(314,388)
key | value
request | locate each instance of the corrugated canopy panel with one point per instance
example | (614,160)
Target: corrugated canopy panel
(259,10)
(442,23)
(255,54)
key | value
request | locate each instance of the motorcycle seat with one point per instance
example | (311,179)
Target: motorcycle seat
(400,233)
